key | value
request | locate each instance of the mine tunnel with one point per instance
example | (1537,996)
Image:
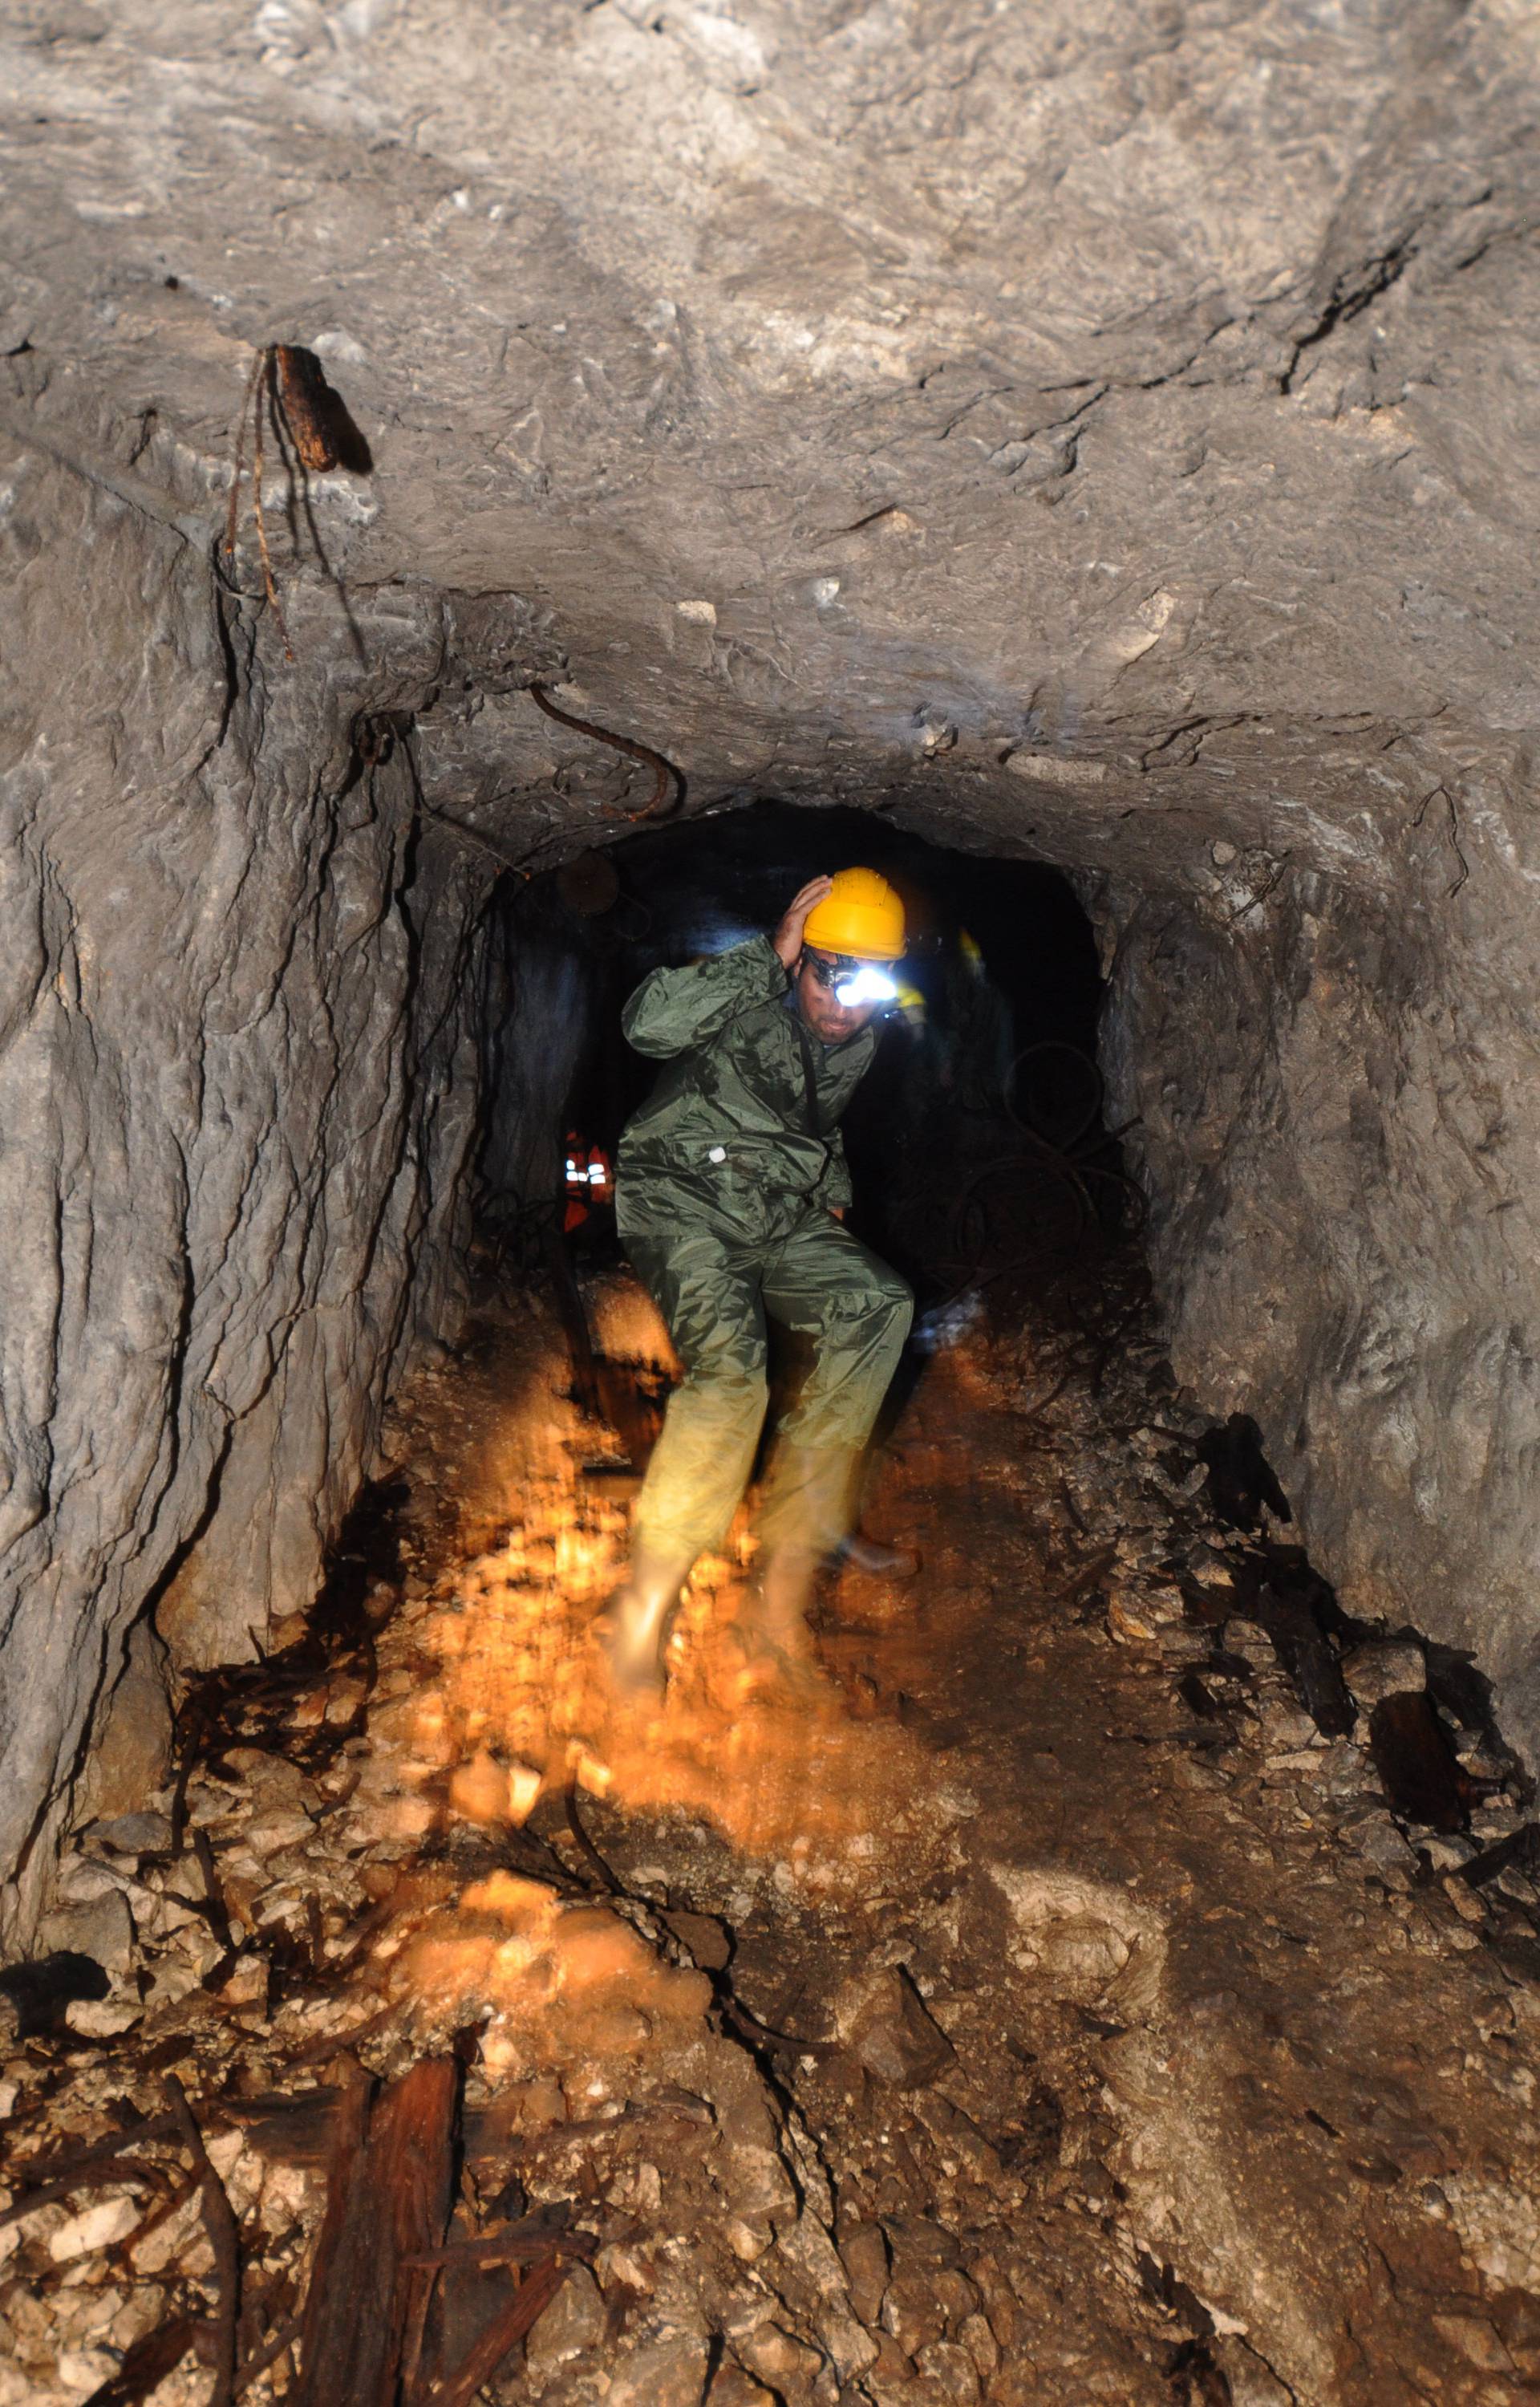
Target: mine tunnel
(494,503)
(1002,994)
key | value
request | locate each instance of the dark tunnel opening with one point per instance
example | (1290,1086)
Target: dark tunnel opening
(977,1141)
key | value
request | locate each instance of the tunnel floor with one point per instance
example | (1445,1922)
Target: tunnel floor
(1031,2006)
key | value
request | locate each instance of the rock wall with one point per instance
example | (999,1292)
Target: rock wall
(1338,1126)
(237,1089)
(1099,435)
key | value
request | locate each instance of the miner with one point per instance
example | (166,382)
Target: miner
(730,1198)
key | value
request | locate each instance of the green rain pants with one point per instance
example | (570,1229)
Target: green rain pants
(714,1279)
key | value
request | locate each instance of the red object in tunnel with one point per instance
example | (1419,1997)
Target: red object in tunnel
(589,1180)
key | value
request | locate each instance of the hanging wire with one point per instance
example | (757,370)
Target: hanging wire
(664,772)
(256,402)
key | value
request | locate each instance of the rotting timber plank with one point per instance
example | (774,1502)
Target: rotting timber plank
(324,2340)
(389,2196)
(524,2310)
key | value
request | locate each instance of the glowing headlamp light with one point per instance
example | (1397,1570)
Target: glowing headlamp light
(864,984)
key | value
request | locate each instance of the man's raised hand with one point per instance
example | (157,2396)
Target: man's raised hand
(787,938)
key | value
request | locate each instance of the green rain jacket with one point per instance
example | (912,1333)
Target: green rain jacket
(731,1119)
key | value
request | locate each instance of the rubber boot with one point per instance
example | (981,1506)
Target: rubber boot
(869,1555)
(640,1619)
(778,1628)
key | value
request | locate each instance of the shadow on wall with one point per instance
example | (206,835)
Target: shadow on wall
(540,1008)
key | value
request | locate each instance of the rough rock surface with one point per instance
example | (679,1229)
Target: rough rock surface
(1096,434)
(237,1087)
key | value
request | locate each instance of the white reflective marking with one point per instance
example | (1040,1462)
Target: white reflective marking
(717,1153)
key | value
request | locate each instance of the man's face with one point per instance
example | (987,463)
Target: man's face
(830,1020)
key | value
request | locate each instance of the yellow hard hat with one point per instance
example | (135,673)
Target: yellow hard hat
(863,917)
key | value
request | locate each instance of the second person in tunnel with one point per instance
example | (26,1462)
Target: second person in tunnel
(730,1200)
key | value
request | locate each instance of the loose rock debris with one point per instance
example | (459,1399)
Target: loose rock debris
(1074,1998)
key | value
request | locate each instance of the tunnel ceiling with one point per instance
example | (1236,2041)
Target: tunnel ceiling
(1096,430)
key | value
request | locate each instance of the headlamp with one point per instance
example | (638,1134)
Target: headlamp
(864,984)
(852,983)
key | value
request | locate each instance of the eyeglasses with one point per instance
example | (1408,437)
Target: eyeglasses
(851,982)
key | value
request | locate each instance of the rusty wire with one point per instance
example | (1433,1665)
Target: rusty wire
(664,771)
(260,393)
(287,394)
